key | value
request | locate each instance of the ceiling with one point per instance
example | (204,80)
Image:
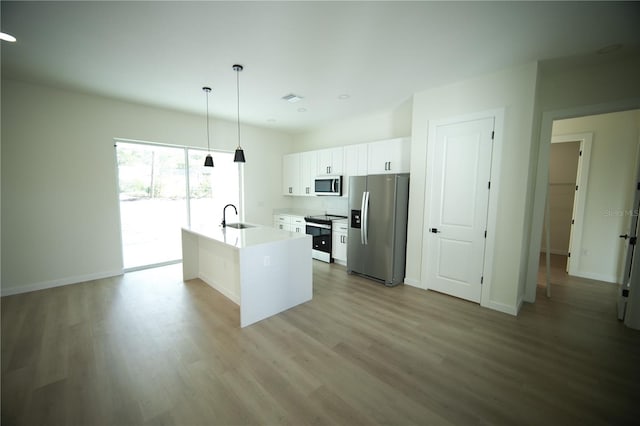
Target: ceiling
(162,53)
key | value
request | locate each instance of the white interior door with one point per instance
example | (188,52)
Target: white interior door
(460,161)
(629,280)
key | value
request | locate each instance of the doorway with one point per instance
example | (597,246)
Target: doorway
(563,188)
(597,251)
(566,194)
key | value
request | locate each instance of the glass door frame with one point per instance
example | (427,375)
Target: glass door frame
(185,150)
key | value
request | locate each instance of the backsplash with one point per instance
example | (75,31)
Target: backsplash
(328,204)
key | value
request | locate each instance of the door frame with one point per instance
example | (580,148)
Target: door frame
(541,179)
(492,211)
(579,202)
(631,271)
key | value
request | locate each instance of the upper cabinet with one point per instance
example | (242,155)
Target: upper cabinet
(298,173)
(300,170)
(330,161)
(291,184)
(389,156)
(308,167)
(355,164)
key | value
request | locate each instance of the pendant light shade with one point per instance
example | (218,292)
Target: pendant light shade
(239,155)
(208,161)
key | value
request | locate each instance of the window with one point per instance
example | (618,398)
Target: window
(162,189)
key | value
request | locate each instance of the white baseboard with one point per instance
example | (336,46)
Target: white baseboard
(26,288)
(599,277)
(413,282)
(503,307)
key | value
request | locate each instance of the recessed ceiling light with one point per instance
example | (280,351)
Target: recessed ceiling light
(292,98)
(271,120)
(302,110)
(609,49)
(7,37)
(344,96)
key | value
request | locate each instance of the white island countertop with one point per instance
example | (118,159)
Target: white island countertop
(242,238)
(262,269)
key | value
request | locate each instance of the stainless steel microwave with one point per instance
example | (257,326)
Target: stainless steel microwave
(328,185)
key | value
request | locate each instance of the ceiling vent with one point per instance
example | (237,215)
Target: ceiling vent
(292,98)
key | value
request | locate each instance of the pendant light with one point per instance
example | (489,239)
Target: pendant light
(239,155)
(208,161)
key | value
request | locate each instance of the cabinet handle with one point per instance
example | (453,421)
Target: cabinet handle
(307,189)
(389,166)
(290,190)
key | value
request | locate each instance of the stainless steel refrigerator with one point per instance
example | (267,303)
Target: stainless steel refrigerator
(377,237)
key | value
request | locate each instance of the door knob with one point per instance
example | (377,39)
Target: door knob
(434,230)
(625,236)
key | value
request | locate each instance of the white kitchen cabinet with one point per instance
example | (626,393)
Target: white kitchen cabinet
(355,164)
(299,170)
(290,223)
(308,168)
(281,221)
(298,224)
(291,184)
(389,156)
(330,161)
(339,242)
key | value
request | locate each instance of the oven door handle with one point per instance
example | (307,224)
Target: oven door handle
(318,225)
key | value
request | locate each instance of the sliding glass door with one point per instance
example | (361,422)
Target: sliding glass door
(210,189)
(164,188)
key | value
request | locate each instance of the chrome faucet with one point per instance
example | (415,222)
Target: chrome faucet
(224,214)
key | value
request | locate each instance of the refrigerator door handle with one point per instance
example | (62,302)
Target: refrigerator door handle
(365,218)
(362,223)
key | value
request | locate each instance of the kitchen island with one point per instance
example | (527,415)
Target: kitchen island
(263,270)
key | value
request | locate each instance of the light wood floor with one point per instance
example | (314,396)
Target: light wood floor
(147,348)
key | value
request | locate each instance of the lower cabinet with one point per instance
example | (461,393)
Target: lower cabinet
(281,221)
(289,223)
(339,243)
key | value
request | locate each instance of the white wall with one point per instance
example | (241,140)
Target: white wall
(395,123)
(513,90)
(567,91)
(60,216)
(611,186)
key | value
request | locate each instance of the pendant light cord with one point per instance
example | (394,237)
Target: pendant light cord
(208,138)
(238,97)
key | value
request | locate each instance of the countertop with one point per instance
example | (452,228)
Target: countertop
(241,238)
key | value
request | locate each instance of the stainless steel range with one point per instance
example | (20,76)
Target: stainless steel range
(319,227)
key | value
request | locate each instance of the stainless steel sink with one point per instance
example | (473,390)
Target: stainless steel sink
(239,225)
